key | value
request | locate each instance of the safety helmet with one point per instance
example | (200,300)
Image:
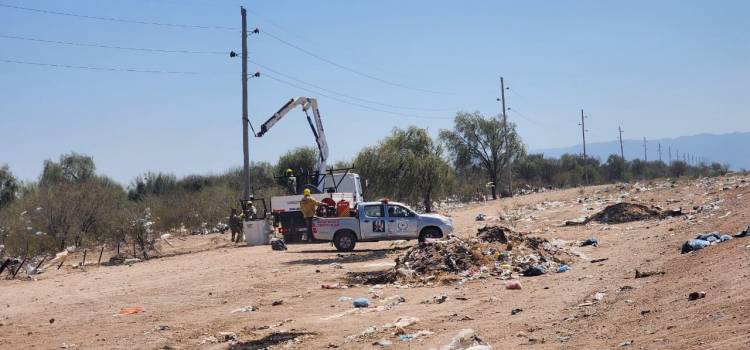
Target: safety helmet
(289,172)
(306,192)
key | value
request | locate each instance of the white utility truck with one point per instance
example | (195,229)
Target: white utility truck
(380,221)
(326,185)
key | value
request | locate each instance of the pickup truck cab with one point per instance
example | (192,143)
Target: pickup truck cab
(380,221)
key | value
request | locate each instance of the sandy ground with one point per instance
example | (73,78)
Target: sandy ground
(189,297)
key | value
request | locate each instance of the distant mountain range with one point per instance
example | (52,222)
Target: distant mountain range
(732,149)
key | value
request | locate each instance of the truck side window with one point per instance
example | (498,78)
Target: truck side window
(398,212)
(374,211)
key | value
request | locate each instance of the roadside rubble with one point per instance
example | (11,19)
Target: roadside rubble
(497,251)
(625,212)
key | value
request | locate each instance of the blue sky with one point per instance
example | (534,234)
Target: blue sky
(658,68)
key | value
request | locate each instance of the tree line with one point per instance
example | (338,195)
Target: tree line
(71,204)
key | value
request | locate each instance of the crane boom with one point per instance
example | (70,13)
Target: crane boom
(307,104)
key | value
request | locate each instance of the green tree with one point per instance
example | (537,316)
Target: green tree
(72,167)
(405,166)
(481,141)
(8,186)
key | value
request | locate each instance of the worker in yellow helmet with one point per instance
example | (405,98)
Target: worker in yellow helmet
(307,205)
(291,181)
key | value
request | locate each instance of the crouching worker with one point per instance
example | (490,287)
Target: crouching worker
(307,205)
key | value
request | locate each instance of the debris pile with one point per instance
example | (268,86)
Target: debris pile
(626,212)
(496,251)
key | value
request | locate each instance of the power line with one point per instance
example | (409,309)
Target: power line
(342,94)
(282,81)
(346,68)
(111,46)
(113,19)
(109,69)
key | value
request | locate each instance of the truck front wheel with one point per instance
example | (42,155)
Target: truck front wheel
(345,241)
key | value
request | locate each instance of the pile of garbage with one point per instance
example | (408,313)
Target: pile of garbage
(626,212)
(703,240)
(496,251)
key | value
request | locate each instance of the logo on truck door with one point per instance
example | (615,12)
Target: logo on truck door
(403,225)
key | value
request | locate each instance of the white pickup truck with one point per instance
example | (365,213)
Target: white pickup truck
(380,221)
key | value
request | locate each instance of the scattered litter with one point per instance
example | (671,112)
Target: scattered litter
(465,339)
(639,274)
(480,217)
(131,310)
(599,296)
(278,244)
(590,241)
(512,284)
(534,270)
(344,299)
(361,303)
(563,268)
(336,265)
(418,334)
(438,299)
(383,343)
(248,308)
(277,302)
(515,311)
(334,286)
(696,295)
(693,245)
(226,336)
(598,260)
(627,343)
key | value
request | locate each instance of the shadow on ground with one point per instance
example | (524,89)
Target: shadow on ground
(269,340)
(357,256)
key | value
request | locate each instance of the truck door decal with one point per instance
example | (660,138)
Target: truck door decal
(403,225)
(378,225)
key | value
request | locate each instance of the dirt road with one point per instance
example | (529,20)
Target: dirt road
(190,298)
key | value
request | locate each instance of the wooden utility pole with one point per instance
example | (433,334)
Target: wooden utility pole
(245,120)
(622,153)
(645,155)
(507,144)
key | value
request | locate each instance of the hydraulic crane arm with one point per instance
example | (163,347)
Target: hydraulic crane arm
(307,104)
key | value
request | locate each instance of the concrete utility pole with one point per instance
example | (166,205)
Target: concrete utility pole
(645,155)
(622,153)
(660,151)
(670,154)
(507,145)
(245,120)
(583,133)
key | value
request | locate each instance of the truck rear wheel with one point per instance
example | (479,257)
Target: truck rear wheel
(345,241)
